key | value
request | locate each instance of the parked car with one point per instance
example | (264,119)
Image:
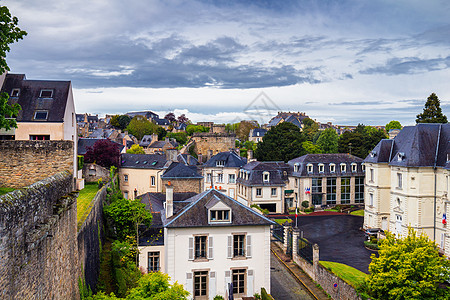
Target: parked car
(372,232)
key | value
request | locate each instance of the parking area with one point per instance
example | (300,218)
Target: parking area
(339,238)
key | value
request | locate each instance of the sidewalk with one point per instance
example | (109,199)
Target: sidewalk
(301,277)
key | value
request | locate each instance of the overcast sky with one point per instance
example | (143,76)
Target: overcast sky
(348,62)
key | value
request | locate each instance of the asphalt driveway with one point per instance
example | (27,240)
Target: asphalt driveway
(339,238)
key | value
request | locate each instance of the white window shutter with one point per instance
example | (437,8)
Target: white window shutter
(227,282)
(230,246)
(249,246)
(212,283)
(191,248)
(250,282)
(189,283)
(211,248)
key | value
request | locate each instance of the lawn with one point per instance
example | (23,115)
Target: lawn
(281,221)
(4,190)
(84,200)
(349,274)
(358,212)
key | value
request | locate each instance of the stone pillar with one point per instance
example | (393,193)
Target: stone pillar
(285,240)
(315,260)
(295,234)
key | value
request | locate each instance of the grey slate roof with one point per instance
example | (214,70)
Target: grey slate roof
(84,143)
(258,132)
(180,170)
(326,160)
(187,159)
(161,121)
(278,173)
(195,214)
(101,133)
(230,159)
(148,114)
(146,140)
(274,122)
(423,145)
(30,100)
(143,161)
(294,120)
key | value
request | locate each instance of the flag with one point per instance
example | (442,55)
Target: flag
(444,219)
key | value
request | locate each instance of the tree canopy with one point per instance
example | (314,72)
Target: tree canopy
(393,125)
(104,153)
(170,117)
(136,149)
(408,268)
(281,143)
(190,129)
(360,141)
(432,112)
(140,126)
(328,141)
(310,129)
(120,121)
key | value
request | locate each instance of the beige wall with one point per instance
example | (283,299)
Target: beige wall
(139,179)
(183,185)
(379,186)
(247,195)
(227,187)
(143,257)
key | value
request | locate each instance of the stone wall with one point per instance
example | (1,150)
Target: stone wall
(217,142)
(93,172)
(183,185)
(25,162)
(39,257)
(90,240)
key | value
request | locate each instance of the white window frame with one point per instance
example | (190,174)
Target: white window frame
(332,168)
(266,176)
(343,168)
(231,178)
(15,92)
(152,180)
(310,168)
(321,168)
(46,90)
(354,167)
(41,111)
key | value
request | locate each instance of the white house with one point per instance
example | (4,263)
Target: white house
(207,243)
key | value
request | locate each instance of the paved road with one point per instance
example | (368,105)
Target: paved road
(283,285)
(339,239)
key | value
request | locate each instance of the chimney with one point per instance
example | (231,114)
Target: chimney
(249,156)
(209,154)
(171,155)
(154,137)
(200,158)
(169,200)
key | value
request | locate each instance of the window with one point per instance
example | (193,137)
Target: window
(46,94)
(295,167)
(201,285)
(238,245)
(310,168)
(371,175)
(231,178)
(399,180)
(258,192)
(266,176)
(296,182)
(39,137)
(152,181)
(125,177)
(219,215)
(41,115)
(345,190)
(200,247)
(220,178)
(354,167)
(220,163)
(316,191)
(359,189)
(274,192)
(153,262)
(331,190)
(239,282)
(332,168)
(321,167)
(208,177)
(125,194)
(15,93)
(343,168)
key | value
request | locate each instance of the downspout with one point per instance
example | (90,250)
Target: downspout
(435,181)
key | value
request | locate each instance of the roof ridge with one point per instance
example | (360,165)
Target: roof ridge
(188,207)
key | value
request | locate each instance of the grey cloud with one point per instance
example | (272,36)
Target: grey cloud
(358,103)
(409,65)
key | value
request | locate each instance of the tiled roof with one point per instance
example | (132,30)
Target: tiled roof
(274,122)
(230,159)
(162,121)
(294,120)
(187,159)
(258,132)
(146,140)
(143,161)
(148,114)
(278,173)
(84,143)
(30,97)
(195,214)
(180,170)
(326,159)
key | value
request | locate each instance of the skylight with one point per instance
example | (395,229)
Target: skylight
(41,115)
(46,94)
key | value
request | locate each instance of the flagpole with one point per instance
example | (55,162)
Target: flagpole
(296,212)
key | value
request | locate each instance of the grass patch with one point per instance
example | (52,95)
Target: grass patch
(84,200)
(5,190)
(349,274)
(358,212)
(332,209)
(282,221)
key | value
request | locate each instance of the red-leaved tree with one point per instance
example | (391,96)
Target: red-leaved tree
(104,153)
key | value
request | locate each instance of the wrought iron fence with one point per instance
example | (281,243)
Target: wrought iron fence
(278,232)
(305,249)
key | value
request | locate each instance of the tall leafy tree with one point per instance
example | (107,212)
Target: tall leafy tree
(9,34)
(136,149)
(328,141)
(360,141)
(120,121)
(432,112)
(310,128)
(243,129)
(183,119)
(104,153)
(170,117)
(281,143)
(408,268)
(140,126)
(393,125)
(310,147)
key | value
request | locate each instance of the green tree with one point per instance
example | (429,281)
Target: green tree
(281,143)
(393,125)
(190,129)
(310,128)
(311,148)
(243,129)
(408,268)
(140,126)
(120,121)
(136,149)
(432,112)
(9,33)
(328,141)
(180,137)
(360,141)
(161,132)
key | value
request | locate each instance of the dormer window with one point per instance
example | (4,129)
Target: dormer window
(220,163)
(219,215)
(266,176)
(321,168)
(373,153)
(310,168)
(46,94)
(15,93)
(332,168)
(354,167)
(296,168)
(343,168)
(400,156)
(41,115)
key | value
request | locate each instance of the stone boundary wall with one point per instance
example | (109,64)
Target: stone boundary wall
(90,240)
(38,253)
(93,172)
(23,163)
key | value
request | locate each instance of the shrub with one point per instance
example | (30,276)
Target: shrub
(218,297)
(370,245)
(305,204)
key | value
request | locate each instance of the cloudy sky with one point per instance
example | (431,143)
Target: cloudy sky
(348,62)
